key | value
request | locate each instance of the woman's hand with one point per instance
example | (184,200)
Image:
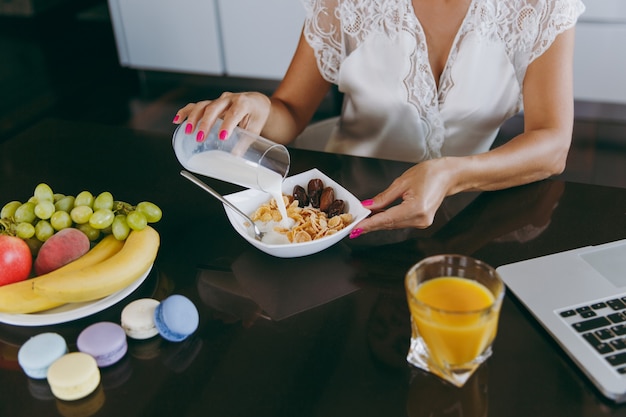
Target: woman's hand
(246,110)
(421,188)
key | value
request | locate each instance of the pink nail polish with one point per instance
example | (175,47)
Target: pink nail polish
(176,118)
(223,134)
(188,128)
(367,202)
(355,233)
(200,136)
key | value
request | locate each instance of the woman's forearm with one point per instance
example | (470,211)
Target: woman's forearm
(529,157)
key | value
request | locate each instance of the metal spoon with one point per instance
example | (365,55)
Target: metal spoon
(258,234)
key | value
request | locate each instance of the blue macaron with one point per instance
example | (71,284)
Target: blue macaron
(39,352)
(176,318)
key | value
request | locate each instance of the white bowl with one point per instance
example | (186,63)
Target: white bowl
(249,200)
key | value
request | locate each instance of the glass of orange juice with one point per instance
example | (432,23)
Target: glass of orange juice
(455,302)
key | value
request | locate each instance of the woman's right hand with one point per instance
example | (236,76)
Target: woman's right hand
(248,110)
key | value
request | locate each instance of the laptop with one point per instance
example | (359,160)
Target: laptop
(579,297)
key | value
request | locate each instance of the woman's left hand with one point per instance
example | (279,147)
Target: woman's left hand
(422,189)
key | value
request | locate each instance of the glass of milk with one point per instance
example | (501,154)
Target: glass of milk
(243,158)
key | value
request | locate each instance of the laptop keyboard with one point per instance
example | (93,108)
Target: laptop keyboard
(603,325)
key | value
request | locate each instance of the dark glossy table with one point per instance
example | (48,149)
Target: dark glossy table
(324,335)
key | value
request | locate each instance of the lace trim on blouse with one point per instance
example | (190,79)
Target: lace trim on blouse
(334,28)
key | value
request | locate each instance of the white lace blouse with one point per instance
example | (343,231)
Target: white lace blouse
(376,52)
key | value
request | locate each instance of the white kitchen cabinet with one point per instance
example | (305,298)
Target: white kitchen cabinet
(259,37)
(168,35)
(600,54)
(238,38)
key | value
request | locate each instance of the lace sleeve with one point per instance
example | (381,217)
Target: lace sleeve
(322,30)
(556,16)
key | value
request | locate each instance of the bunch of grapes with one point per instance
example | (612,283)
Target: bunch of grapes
(45,213)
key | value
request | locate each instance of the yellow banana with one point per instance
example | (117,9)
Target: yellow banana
(20,298)
(105,278)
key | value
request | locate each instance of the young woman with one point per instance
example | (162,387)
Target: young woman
(425,81)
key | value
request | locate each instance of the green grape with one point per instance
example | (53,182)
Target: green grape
(25,213)
(101,219)
(43,192)
(152,212)
(43,230)
(92,234)
(25,230)
(136,220)
(65,204)
(61,220)
(103,201)
(84,198)
(44,209)
(33,199)
(8,210)
(57,197)
(120,228)
(81,214)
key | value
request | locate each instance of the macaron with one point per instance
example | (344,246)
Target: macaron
(104,341)
(73,376)
(176,318)
(39,352)
(138,319)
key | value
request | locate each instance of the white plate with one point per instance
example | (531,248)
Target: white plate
(72,311)
(249,200)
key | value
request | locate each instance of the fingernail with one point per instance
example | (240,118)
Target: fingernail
(200,136)
(355,233)
(176,118)
(367,202)
(223,134)
(188,128)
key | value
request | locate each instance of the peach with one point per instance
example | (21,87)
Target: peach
(60,249)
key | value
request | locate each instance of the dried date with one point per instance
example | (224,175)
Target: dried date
(327,198)
(300,194)
(314,191)
(336,208)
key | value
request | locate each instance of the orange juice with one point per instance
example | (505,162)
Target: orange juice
(453,317)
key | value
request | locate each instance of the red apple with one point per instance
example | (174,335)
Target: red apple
(15,260)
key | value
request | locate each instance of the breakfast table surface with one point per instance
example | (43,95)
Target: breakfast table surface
(320,335)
